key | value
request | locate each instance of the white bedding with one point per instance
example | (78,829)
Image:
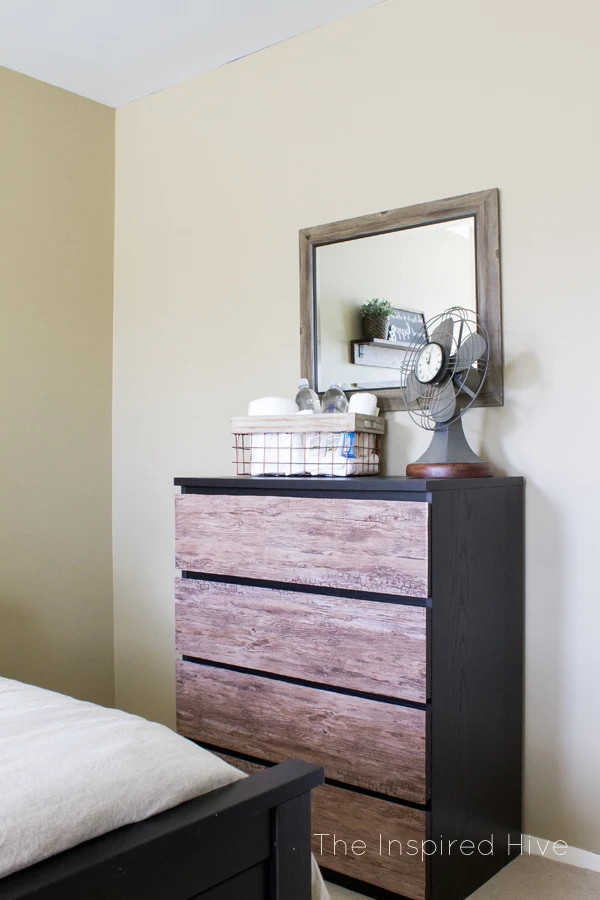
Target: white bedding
(71,771)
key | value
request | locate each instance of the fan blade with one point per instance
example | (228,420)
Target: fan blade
(443,402)
(413,388)
(470,382)
(469,351)
(443,335)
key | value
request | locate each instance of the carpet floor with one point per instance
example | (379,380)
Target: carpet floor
(527,878)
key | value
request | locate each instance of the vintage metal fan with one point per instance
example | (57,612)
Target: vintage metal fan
(444,369)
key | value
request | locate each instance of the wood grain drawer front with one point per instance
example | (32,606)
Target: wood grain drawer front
(375,745)
(385,857)
(366,545)
(387,860)
(363,645)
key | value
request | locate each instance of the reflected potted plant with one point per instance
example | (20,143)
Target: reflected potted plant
(375,317)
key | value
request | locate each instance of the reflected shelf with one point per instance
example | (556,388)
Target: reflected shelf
(378,352)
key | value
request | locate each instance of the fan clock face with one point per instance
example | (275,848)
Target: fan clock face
(430,363)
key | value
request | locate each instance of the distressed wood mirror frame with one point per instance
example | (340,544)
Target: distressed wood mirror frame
(484,207)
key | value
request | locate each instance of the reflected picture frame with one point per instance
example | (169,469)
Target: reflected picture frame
(398,329)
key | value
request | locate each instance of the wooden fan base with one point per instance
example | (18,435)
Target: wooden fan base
(480,469)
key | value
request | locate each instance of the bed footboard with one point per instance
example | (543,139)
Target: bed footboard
(250,840)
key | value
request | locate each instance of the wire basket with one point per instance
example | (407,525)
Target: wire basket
(337,444)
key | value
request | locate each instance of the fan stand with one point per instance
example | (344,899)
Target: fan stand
(449,456)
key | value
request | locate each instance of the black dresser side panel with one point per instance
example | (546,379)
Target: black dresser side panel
(476,684)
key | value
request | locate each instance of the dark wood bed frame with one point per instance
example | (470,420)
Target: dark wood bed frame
(247,841)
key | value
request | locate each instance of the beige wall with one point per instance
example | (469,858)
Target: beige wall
(400,104)
(56,253)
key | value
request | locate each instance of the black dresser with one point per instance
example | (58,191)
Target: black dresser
(373,626)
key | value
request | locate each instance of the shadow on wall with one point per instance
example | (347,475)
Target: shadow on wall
(499,424)
(545,785)
(27,652)
(18,634)
(404,442)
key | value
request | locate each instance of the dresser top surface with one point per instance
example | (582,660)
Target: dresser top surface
(371,484)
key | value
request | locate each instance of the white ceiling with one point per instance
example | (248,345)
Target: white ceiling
(115,51)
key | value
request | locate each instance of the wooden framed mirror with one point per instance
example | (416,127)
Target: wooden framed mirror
(422,259)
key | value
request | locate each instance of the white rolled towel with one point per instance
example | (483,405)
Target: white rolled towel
(272,406)
(363,403)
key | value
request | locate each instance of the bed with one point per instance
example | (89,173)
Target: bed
(96,804)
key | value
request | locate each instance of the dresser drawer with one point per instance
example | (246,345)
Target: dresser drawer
(387,860)
(384,858)
(366,545)
(374,745)
(363,645)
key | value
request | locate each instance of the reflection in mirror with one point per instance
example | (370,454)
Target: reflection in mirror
(424,269)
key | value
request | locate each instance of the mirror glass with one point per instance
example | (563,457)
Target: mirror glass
(421,271)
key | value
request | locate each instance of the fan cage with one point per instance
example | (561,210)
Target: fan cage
(464,323)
